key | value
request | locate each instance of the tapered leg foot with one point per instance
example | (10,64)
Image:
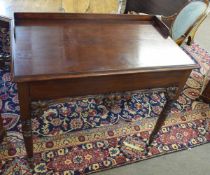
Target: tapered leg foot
(172,94)
(159,124)
(2,130)
(28,140)
(2,134)
(31,163)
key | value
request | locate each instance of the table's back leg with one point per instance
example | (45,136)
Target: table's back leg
(25,116)
(2,130)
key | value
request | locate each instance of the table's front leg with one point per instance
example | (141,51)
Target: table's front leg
(171,96)
(25,116)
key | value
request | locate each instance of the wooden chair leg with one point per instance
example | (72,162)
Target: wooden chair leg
(189,40)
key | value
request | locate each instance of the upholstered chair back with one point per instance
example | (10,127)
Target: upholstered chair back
(187,18)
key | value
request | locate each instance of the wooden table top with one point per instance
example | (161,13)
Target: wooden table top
(59,46)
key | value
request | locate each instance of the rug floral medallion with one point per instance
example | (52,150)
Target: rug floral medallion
(83,135)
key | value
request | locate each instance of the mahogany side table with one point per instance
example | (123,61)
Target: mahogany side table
(60,55)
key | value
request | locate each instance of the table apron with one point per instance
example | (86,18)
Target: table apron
(53,89)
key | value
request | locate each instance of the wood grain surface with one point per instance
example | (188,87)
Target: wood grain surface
(81,45)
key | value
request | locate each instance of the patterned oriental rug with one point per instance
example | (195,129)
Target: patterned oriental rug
(83,135)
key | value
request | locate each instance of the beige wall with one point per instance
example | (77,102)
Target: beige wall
(91,6)
(7,7)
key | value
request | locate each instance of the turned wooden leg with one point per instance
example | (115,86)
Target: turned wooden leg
(2,130)
(25,116)
(171,95)
(160,122)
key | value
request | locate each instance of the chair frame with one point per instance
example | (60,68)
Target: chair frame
(121,6)
(169,22)
(190,33)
